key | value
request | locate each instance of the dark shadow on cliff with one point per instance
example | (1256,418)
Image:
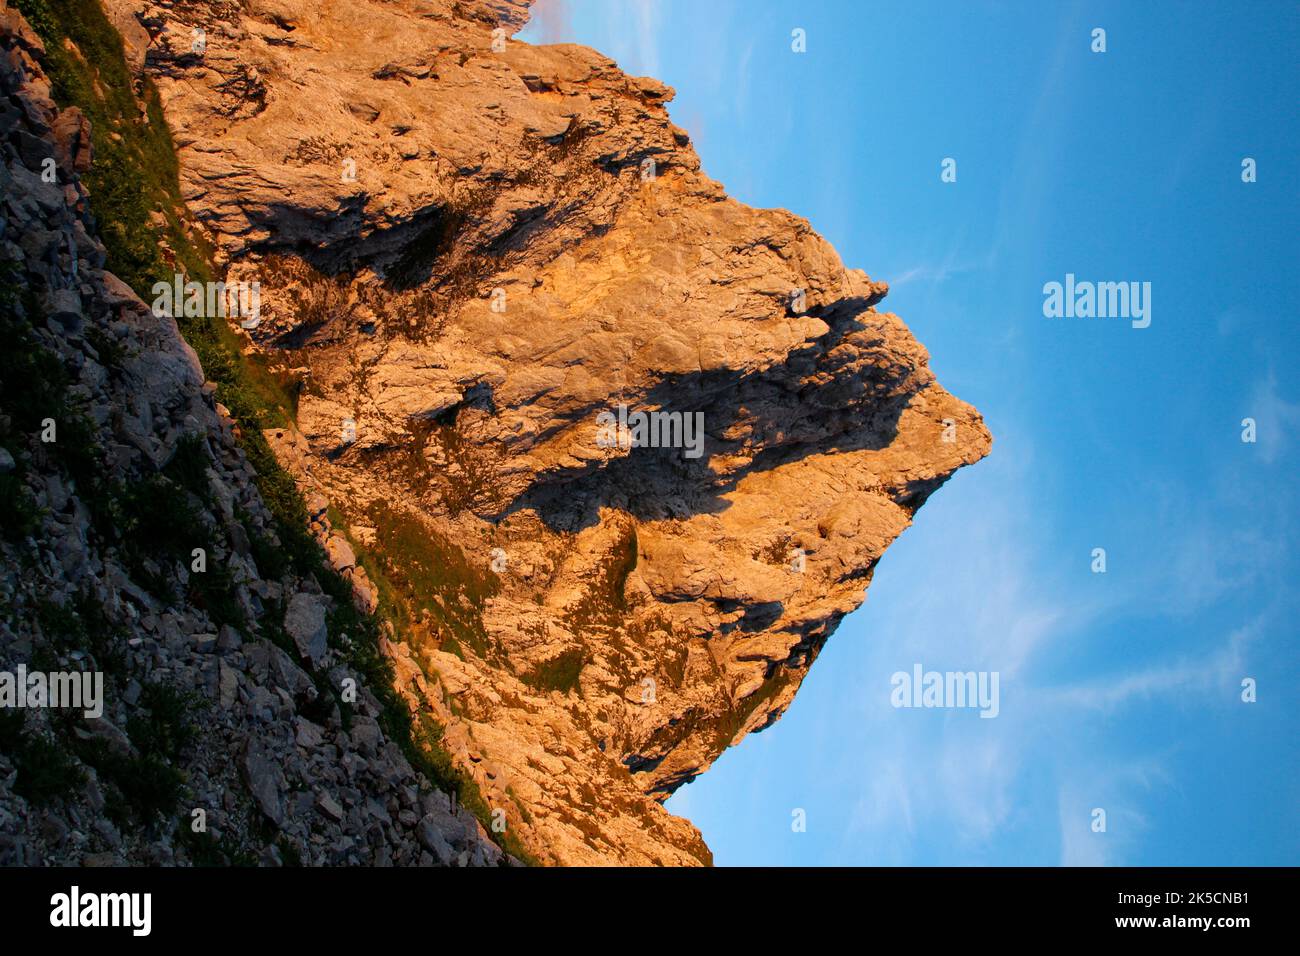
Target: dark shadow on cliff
(660,483)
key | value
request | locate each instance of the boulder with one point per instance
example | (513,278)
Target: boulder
(304,621)
(265,781)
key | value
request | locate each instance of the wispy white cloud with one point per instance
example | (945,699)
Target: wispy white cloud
(645,14)
(744,79)
(1277,420)
(938,772)
(1081,845)
(1118,790)
(936,273)
(549,22)
(605,26)
(886,798)
(1180,676)
(952,772)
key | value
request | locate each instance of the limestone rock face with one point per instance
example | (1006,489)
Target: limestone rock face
(468,249)
(211,744)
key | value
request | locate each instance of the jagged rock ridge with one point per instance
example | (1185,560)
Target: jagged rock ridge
(592,624)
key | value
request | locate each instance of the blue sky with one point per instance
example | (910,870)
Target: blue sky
(1122,690)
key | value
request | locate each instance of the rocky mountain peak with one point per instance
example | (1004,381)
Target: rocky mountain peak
(604,454)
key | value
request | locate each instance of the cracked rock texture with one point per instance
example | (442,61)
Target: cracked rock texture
(468,248)
(200,718)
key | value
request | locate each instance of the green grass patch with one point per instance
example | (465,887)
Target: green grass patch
(604,603)
(441,592)
(46,771)
(135,172)
(560,673)
(145,787)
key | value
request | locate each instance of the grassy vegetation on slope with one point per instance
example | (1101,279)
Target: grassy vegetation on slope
(150,237)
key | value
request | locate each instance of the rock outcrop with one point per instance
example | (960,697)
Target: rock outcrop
(476,258)
(217,743)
